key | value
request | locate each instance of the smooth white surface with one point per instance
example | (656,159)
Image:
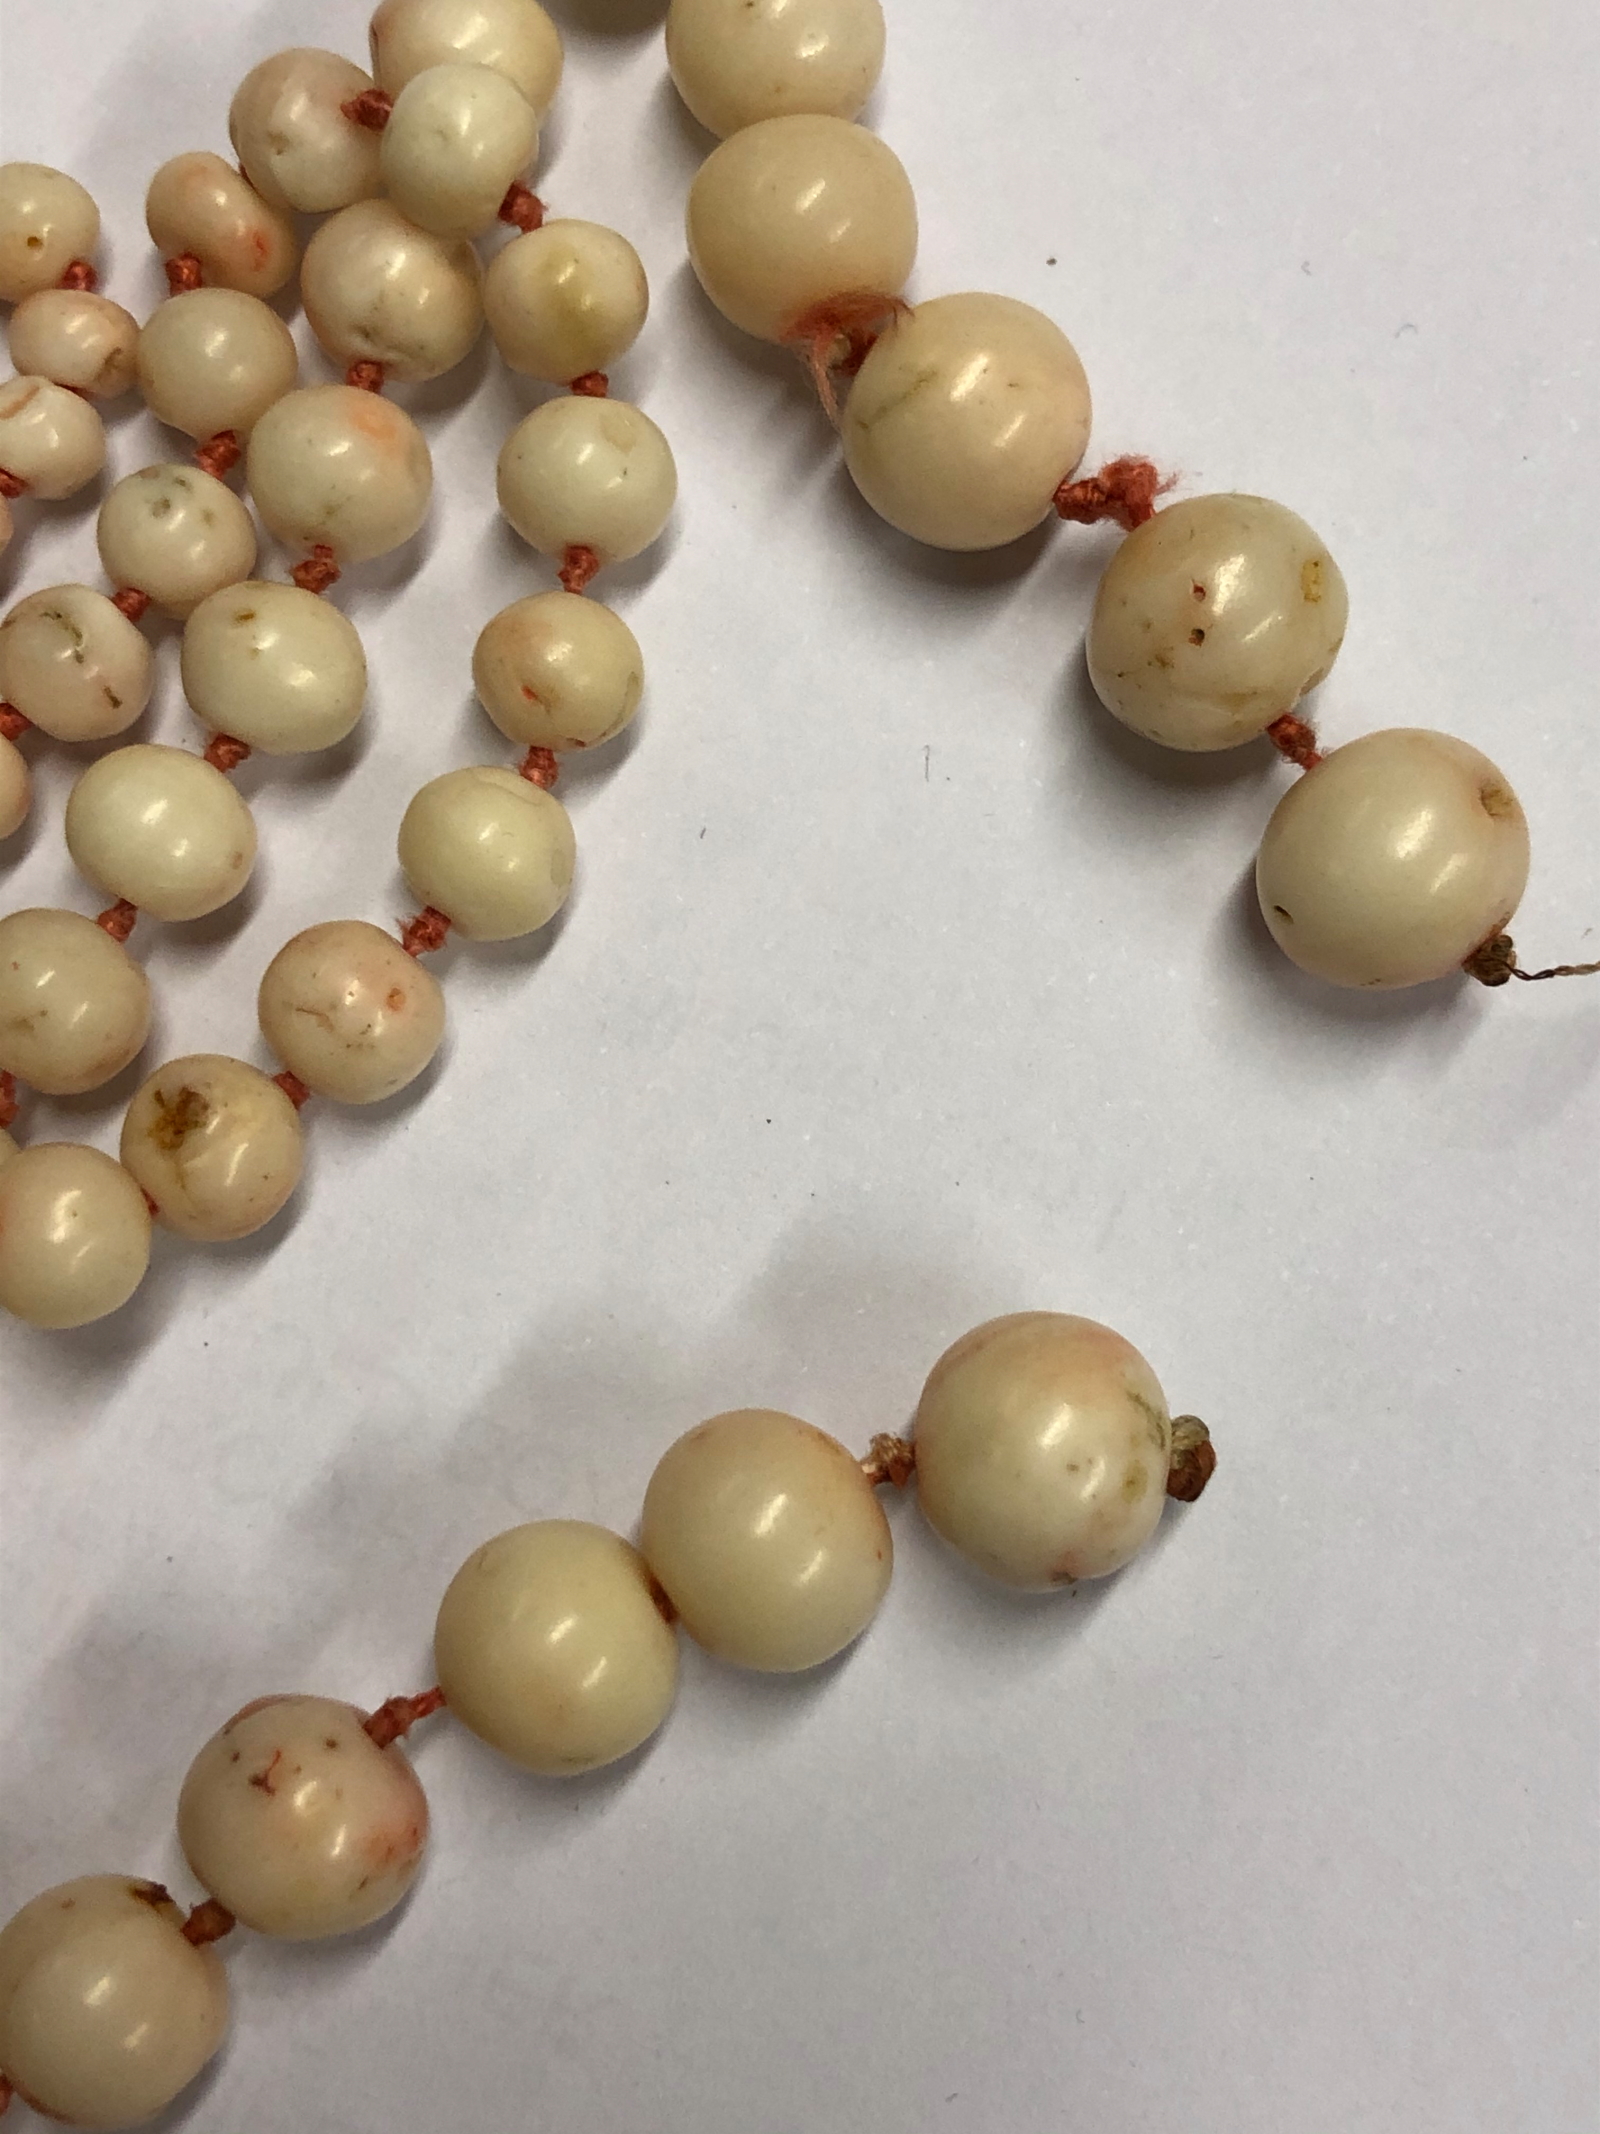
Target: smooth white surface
(959,1005)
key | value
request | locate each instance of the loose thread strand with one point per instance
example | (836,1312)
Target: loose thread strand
(391,1722)
(1495,964)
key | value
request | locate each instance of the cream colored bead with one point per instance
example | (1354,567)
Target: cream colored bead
(71,661)
(457,138)
(292,138)
(736,62)
(8,525)
(50,438)
(106,2012)
(515,37)
(347,1010)
(16,788)
(769,1540)
(566,299)
(74,1005)
(794,212)
(216,1146)
(163,829)
(965,419)
(199,204)
(587,473)
(295,1820)
(558,671)
(1393,860)
(492,852)
(47,221)
(213,360)
(1043,1447)
(177,534)
(76,339)
(378,289)
(1213,619)
(346,469)
(74,1245)
(551,1645)
(274,667)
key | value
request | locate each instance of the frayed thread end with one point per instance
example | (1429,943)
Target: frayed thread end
(428,931)
(318,572)
(219,455)
(578,566)
(834,338)
(1293,738)
(392,1722)
(1124,493)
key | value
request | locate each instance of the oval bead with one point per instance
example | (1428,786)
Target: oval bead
(50,438)
(457,138)
(74,1005)
(587,473)
(336,467)
(163,829)
(199,204)
(275,667)
(348,1011)
(177,534)
(736,62)
(291,136)
(77,339)
(515,37)
(213,360)
(74,1239)
(216,1146)
(379,290)
(558,670)
(492,852)
(73,664)
(47,221)
(566,299)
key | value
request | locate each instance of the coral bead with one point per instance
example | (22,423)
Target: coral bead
(74,1005)
(74,1245)
(71,661)
(177,534)
(292,138)
(736,62)
(457,138)
(377,289)
(515,37)
(558,671)
(492,852)
(565,300)
(1043,1447)
(337,467)
(76,339)
(16,788)
(1393,860)
(295,1820)
(47,221)
(50,438)
(162,829)
(551,1645)
(348,1011)
(769,1540)
(214,360)
(106,2012)
(965,419)
(274,667)
(216,1146)
(587,473)
(794,212)
(199,204)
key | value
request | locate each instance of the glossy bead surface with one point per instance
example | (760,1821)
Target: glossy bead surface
(492,852)
(333,465)
(274,667)
(1393,860)
(75,338)
(107,2013)
(347,1010)
(162,828)
(378,289)
(566,299)
(215,1144)
(552,1647)
(214,359)
(590,473)
(71,661)
(558,670)
(515,37)
(1043,1445)
(768,1539)
(74,1240)
(74,1005)
(295,1820)
(736,62)
(792,212)
(177,534)
(50,438)
(965,419)
(292,138)
(47,221)
(199,204)
(456,139)
(16,788)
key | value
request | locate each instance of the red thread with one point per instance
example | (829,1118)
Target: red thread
(593,385)
(225,754)
(541,767)
(391,1722)
(370,109)
(520,207)
(428,931)
(318,572)
(838,335)
(1124,491)
(365,375)
(131,602)
(184,273)
(293,1088)
(13,724)
(119,919)
(79,275)
(151,1202)
(219,455)
(9,1107)
(207,1923)
(1293,738)
(11,484)
(578,566)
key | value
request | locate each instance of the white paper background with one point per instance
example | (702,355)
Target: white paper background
(902,989)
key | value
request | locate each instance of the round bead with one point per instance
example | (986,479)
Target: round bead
(295,1820)
(216,1146)
(199,204)
(348,1011)
(1393,860)
(213,359)
(492,852)
(71,661)
(1043,1445)
(457,138)
(565,300)
(16,788)
(335,466)
(558,671)
(292,138)
(50,438)
(587,473)
(1213,619)
(74,1245)
(736,62)
(795,212)
(74,1005)
(106,2012)
(378,289)
(177,534)
(274,667)
(162,829)
(769,1540)
(515,37)
(965,419)
(77,339)
(47,221)
(551,1645)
